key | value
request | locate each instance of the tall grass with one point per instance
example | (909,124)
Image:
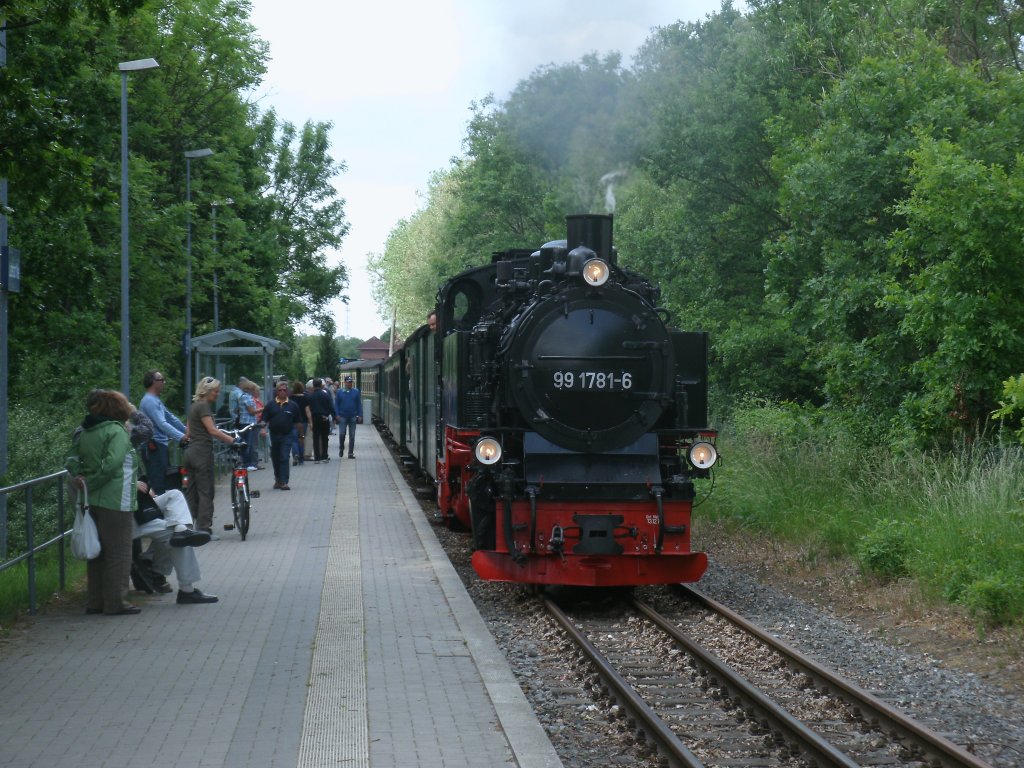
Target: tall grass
(14,597)
(953,521)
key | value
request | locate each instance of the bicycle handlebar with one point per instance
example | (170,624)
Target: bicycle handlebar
(237,433)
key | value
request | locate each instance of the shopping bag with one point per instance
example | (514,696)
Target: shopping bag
(85,539)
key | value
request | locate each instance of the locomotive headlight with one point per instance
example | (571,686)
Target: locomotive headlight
(487,451)
(703,455)
(596,272)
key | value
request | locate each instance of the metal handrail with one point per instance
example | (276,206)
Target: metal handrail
(31,548)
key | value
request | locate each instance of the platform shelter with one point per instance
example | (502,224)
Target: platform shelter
(229,354)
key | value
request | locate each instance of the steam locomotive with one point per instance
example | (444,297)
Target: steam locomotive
(558,417)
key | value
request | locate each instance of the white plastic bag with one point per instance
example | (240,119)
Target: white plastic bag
(85,540)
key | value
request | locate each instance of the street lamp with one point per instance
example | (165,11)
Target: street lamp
(190,155)
(125,67)
(213,225)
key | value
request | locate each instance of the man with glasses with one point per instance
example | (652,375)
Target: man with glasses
(281,415)
(166,427)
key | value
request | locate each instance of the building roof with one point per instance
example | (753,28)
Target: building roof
(373,343)
(375,349)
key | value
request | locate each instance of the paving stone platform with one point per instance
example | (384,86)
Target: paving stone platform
(343,637)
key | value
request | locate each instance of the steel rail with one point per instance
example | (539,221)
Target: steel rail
(769,713)
(936,747)
(667,742)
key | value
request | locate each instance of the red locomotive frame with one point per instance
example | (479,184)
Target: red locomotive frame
(532,557)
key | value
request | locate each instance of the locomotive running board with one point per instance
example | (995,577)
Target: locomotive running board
(619,571)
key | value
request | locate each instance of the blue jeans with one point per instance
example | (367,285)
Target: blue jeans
(347,424)
(280,454)
(299,444)
(252,438)
(155,460)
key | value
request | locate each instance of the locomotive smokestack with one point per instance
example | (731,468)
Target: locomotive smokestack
(592,230)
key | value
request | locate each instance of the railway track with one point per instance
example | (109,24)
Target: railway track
(739,697)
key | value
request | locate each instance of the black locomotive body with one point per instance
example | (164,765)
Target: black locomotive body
(572,421)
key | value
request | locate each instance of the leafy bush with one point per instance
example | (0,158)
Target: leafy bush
(37,444)
(995,599)
(885,550)
(1011,407)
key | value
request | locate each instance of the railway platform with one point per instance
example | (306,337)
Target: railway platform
(343,637)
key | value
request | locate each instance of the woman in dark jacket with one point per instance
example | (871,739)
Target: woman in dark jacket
(104,464)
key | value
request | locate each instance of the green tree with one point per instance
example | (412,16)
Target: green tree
(327,350)
(564,116)
(348,347)
(504,196)
(417,258)
(64,101)
(960,300)
(702,201)
(850,266)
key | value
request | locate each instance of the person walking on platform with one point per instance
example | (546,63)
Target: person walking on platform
(166,427)
(233,402)
(281,415)
(321,409)
(348,404)
(103,463)
(247,416)
(202,431)
(300,398)
(331,391)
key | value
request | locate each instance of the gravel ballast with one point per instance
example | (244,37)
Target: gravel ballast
(968,709)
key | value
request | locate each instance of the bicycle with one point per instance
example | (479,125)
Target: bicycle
(240,493)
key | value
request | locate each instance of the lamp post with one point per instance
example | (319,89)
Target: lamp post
(190,155)
(213,225)
(125,67)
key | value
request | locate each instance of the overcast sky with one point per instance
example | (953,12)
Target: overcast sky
(396,77)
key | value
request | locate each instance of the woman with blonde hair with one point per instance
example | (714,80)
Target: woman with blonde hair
(104,465)
(202,431)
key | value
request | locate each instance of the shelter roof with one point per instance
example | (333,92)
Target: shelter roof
(240,342)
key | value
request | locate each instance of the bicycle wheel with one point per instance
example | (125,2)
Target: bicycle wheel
(234,501)
(242,516)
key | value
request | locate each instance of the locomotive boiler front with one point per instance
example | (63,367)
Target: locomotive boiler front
(571,418)
(590,368)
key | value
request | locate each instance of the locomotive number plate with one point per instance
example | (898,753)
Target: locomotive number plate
(588,380)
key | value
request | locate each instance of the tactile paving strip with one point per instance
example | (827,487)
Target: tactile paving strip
(334,728)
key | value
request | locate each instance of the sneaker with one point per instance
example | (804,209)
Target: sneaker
(251,469)
(351,456)
(285,488)
(194,597)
